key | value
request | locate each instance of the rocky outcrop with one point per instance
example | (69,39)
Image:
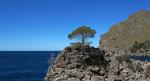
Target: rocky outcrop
(93,64)
(121,68)
(72,65)
(123,35)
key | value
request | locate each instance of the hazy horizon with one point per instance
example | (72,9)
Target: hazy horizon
(43,25)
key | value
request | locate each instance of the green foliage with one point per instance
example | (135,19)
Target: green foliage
(82,34)
(76,44)
(140,46)
(80,44)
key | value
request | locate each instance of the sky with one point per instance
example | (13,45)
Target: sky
(44,25)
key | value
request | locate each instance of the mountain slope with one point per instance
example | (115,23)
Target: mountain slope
(124,34)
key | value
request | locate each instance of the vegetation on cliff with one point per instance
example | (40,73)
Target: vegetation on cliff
(123,35)
(82,34)
(140,47)
(81,62)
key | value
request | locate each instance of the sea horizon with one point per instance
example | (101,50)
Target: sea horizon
(29,51)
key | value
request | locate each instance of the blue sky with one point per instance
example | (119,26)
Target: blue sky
(44,24)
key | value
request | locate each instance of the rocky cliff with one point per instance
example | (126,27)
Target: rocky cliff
(124,34)
(94,65)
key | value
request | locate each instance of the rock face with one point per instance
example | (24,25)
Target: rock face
(124,69)
(93,65)
(72,65)
(124,34)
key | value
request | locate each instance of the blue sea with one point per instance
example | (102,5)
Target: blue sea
(29,65)
(140,58)
(24,65)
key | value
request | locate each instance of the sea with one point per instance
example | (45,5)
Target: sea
(24,65)
(141,58)
(29,65)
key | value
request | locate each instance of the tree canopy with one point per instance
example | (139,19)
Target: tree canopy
(82,34)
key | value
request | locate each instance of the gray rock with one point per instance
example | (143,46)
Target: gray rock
(72,65)
(97,78)
(71,79)
(87,77)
